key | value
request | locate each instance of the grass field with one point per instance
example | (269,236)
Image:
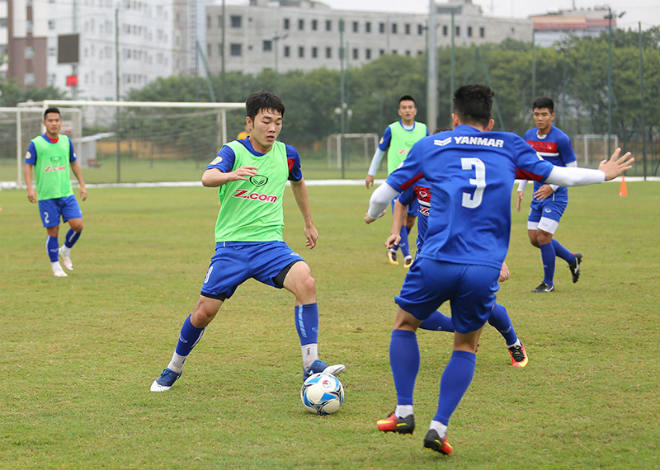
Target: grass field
(80,353)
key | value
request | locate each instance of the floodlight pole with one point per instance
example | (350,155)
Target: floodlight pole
(609,76)
(432,72)
(117,142)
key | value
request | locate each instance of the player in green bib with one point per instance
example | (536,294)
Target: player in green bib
(52,158)
(397,140)
(251,174)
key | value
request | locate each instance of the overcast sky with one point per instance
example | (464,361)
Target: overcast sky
(646,11)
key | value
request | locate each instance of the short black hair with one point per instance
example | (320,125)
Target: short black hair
(407,98)
(52,110)
(262,100)
(544,102)
(472,104)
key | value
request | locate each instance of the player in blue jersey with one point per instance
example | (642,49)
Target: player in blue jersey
(397,140)
(470,171)
(251,175)
(499,319)
(549,201)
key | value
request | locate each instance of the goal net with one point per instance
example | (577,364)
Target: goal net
(590,149)
(355,150)
(131,142)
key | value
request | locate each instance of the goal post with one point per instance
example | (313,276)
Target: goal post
(350,148)
(590,149)
(142,141)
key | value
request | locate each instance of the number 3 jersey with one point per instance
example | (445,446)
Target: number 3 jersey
(470,174)
(251,210)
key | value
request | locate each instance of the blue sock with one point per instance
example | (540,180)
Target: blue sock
(548,258)
(71,238)
(403,244)
(404,360)
(52,248)
(307,323)
(454,383)
(188,338)
(437,322)
(499,319)
(562,252)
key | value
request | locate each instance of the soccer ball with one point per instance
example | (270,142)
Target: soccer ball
(322,394)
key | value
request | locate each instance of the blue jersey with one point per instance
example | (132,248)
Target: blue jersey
(421,193)
(555,147)
(470,174)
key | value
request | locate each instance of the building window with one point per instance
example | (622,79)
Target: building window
(419,52)
(328,52)
(287,51)
(367,27)
(420,29)
(394,28)
(235,50)
(356,54)
(208,50)
(29,79)
(208,22)
(52,52)
(301,51)
(235,21)
(268,45)
(482,32)
(356,27)
(458,31)
(287,23)
(445,30)
(367,54)
(315,52)
(315,25)
(381,52)
(301,25)
(408,52)
(407,28)
(29,52)
(328,25)
(381,28)
(469,31)
(220,22)
(51,23)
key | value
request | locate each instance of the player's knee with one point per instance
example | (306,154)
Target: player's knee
(205,311)
(307,286)
(77,226)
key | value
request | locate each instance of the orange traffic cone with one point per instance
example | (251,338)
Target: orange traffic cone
(623,189)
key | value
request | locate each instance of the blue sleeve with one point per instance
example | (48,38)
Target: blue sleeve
(31,155)
(566,150)
(293,160)
(384,143)
(408,196)
(410,171)
(72,153)
(427,131)
(526,159)
(224,161)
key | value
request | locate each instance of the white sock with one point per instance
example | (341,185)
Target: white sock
(403,411)
(56,266)
(65,250)
(440,428)
(176,364)
(517,343)
(310,353)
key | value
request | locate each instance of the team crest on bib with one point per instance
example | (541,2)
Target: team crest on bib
(258,180)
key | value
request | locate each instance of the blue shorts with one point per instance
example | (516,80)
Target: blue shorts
(235,262)
(470,290)
(413,207)
(51,210)
(547,208)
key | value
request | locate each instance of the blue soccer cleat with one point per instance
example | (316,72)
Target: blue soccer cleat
(165,381)
(320,366)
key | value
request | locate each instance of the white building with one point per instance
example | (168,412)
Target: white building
(152,39)
(305,34)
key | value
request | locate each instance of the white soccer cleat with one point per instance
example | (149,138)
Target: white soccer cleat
(335,369)
(66,258)
(57,270)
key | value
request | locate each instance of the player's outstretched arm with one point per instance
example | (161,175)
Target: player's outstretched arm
(616,165)
(607,170)
(214,177)
(398,219)
(378,202)
(299,189)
